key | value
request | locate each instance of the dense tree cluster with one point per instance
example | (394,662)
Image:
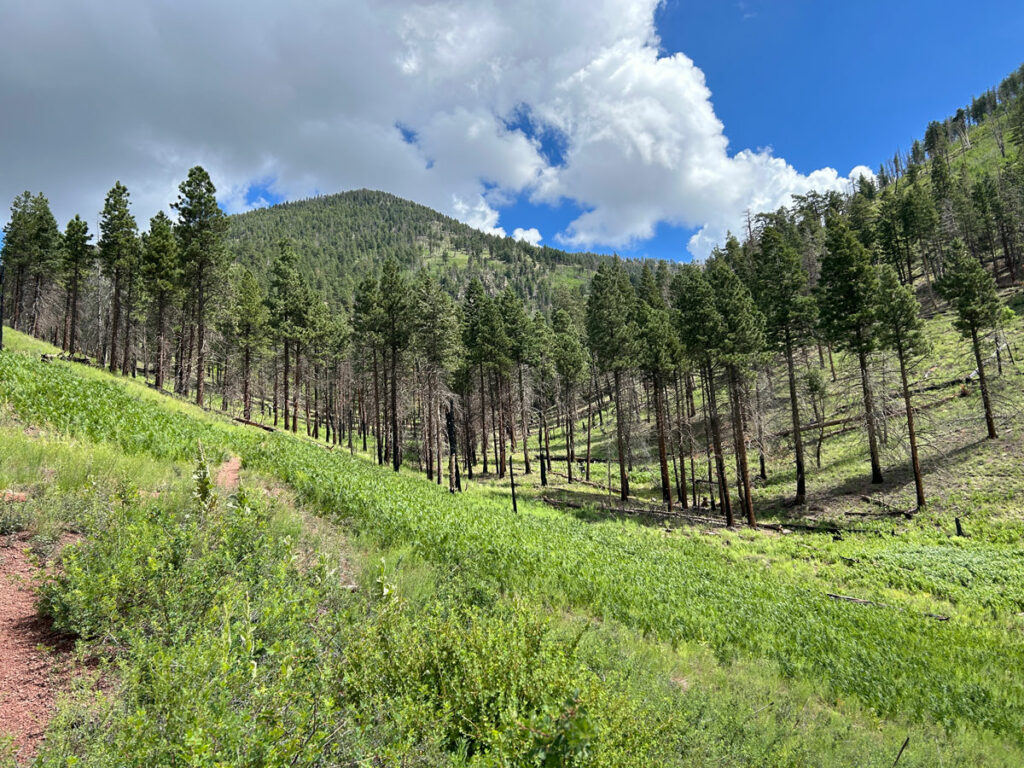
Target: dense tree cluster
(375,323)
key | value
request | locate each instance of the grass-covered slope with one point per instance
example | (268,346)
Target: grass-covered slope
(685,588)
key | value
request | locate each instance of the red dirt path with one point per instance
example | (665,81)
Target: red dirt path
(227,475)
(28,682)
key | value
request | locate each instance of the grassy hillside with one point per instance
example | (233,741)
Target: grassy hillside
(341,238)
(630,645)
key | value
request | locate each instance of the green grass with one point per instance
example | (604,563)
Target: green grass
(688,590)
(223,640)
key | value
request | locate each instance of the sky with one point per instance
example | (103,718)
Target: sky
(639,127)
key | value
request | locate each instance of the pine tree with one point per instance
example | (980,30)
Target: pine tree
(657,351)
(611,330)
(702,331)
(78,257)
(782,294)
(117,253)
(201,228)
(971,291)
(367,324)
(570,362)
(161,275)
(847,306)
(900,329)
(742,345)
(249,322)
(284,304)
(395,309)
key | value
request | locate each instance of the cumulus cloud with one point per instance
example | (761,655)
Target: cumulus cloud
(310,96)
(531,235)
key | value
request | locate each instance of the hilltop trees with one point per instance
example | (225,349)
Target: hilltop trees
(972,293)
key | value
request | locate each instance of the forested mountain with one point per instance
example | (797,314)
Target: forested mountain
(341,238)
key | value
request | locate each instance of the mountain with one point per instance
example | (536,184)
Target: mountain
(341,238)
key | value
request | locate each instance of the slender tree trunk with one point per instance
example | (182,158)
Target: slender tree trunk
(798,442)
(869,414)
(716,438)
(73,339)
(570,432)
(982,381)
(126,352)
(298,389)
(36,295)
(246,384)
(659,417)
(483,420)
(525,424)
(452,447)
(286,383)
(115,321)
(396,450)
(620,438)
(911,431)
(200,339)
(740,438)
(378,426)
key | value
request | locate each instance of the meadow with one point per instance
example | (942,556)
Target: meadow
(683,645)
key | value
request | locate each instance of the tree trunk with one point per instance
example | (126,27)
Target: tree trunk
(298,388)
(659,418)
(869,414)
(483,420)
(525,425)
(911,431)
(286,383)
(115,321)
(716,439)
(740,438)
(620,438)
(378,438)
(396,443)
(989,421)
(200,340)
(73,339)
(798,443)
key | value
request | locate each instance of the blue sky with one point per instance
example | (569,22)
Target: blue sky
(826,83)
(576,118)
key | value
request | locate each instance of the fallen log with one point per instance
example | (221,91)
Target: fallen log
(861,601)
(249,423)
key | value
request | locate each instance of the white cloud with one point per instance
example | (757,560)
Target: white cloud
(531,235)
(309,94)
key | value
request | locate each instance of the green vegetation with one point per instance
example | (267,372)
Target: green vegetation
(502,631)
(687,589)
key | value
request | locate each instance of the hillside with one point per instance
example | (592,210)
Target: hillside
(331,609)
(343,237)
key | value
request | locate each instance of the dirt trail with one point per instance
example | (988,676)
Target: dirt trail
(28,681)
(227,474)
